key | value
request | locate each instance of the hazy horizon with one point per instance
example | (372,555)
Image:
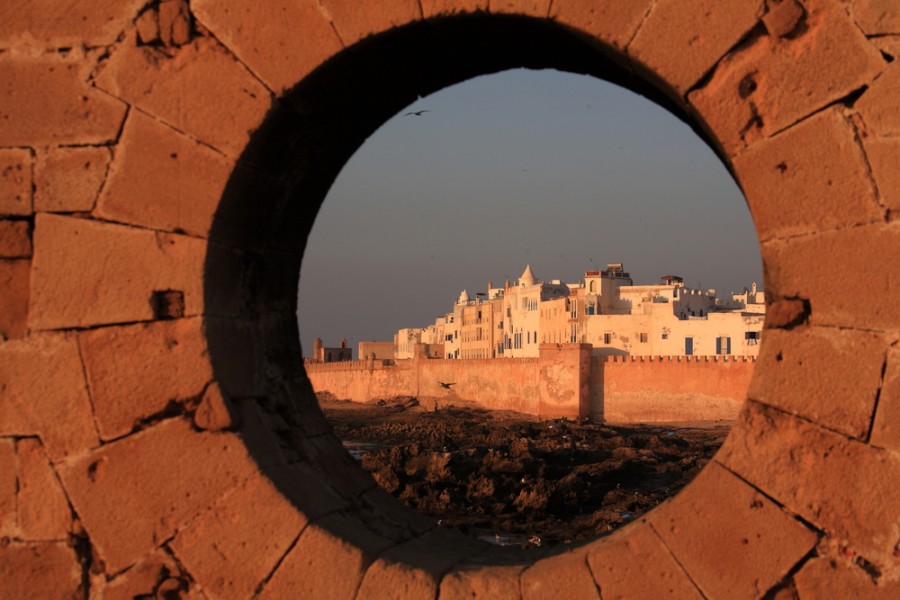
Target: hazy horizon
(564,172)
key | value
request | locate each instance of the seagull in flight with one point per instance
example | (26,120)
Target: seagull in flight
(446,386)
(418,113)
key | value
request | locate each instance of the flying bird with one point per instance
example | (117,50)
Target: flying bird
(446,386)
(418,113)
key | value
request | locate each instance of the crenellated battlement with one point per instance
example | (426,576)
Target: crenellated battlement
(706,359)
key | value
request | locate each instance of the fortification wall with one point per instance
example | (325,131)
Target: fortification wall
(627,389)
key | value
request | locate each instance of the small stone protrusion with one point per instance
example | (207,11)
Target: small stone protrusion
(783,17)
(175,23)
(784,314)
(168,304)
(214,412)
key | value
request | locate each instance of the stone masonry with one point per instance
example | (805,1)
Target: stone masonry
(161,164)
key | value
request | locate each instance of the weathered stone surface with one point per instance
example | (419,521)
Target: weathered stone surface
(875,16)
(198,89)
(634,563)
(786,313)
(42,23)
(175,22)
(354,21)
(15,239)
(215,412)
(884,156)
(44,101)
(8,487)
(230,549)
(531,8)
(614,22)
(69,179)
(43,508)
(142,579)
(772,82)
(48,570)
(188,180)
(828,578)
(821,267)
(468,581)
(45,394)
(886,429)
(412,569)
(72,288)
(718,515)
(810,178)
(830,376)
(431,8)
(843,487)
(147,26)
(280,56)
(565,575)
(15,180)
(182,472)
(327,562)
(680,41)
(15,277)
(783,17)
(138,371)
(878,106)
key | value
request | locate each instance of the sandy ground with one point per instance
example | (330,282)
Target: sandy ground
(508,479)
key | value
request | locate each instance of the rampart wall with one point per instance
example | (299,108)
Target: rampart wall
(620,389)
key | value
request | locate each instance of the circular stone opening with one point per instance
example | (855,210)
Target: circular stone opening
(470,184)
(259,236)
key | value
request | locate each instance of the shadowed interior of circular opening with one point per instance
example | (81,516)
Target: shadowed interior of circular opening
(284,175)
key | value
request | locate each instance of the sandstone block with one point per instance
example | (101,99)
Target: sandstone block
(175,22)
(467,581)
(138,371)
(634,563)
(820,267)
(163,180)
(327,562)
(182,472)
(843,487)
(680,41)
(281,56)
(147,26)
(354,22)
(718,515)
(15,180)
(565,575)
(877,105)
(772,82)
(830,376)
(45,394)
(412,569)
(8,487)
(41,23)
(231,549)
(614,22)
(142,579)
(15,276)
(15,239)
(69,179)
(43,508)
(886,430)
(531,8)
(48,570)
(432,8)
(810,178)
(828,578)
(783,17)
(876,17)
(215,412)
(226,102)
(89,273)
(884,156)
(45,101)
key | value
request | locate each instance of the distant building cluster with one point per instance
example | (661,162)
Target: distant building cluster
(605,310)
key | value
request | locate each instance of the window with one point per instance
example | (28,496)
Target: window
(607,338)
(723,345)
(665,335)
(590,310)
(644,338)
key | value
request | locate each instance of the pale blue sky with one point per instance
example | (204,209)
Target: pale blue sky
(540,167)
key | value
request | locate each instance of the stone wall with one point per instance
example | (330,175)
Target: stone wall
(161,164)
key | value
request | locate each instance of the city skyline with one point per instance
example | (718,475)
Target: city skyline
(563,172)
